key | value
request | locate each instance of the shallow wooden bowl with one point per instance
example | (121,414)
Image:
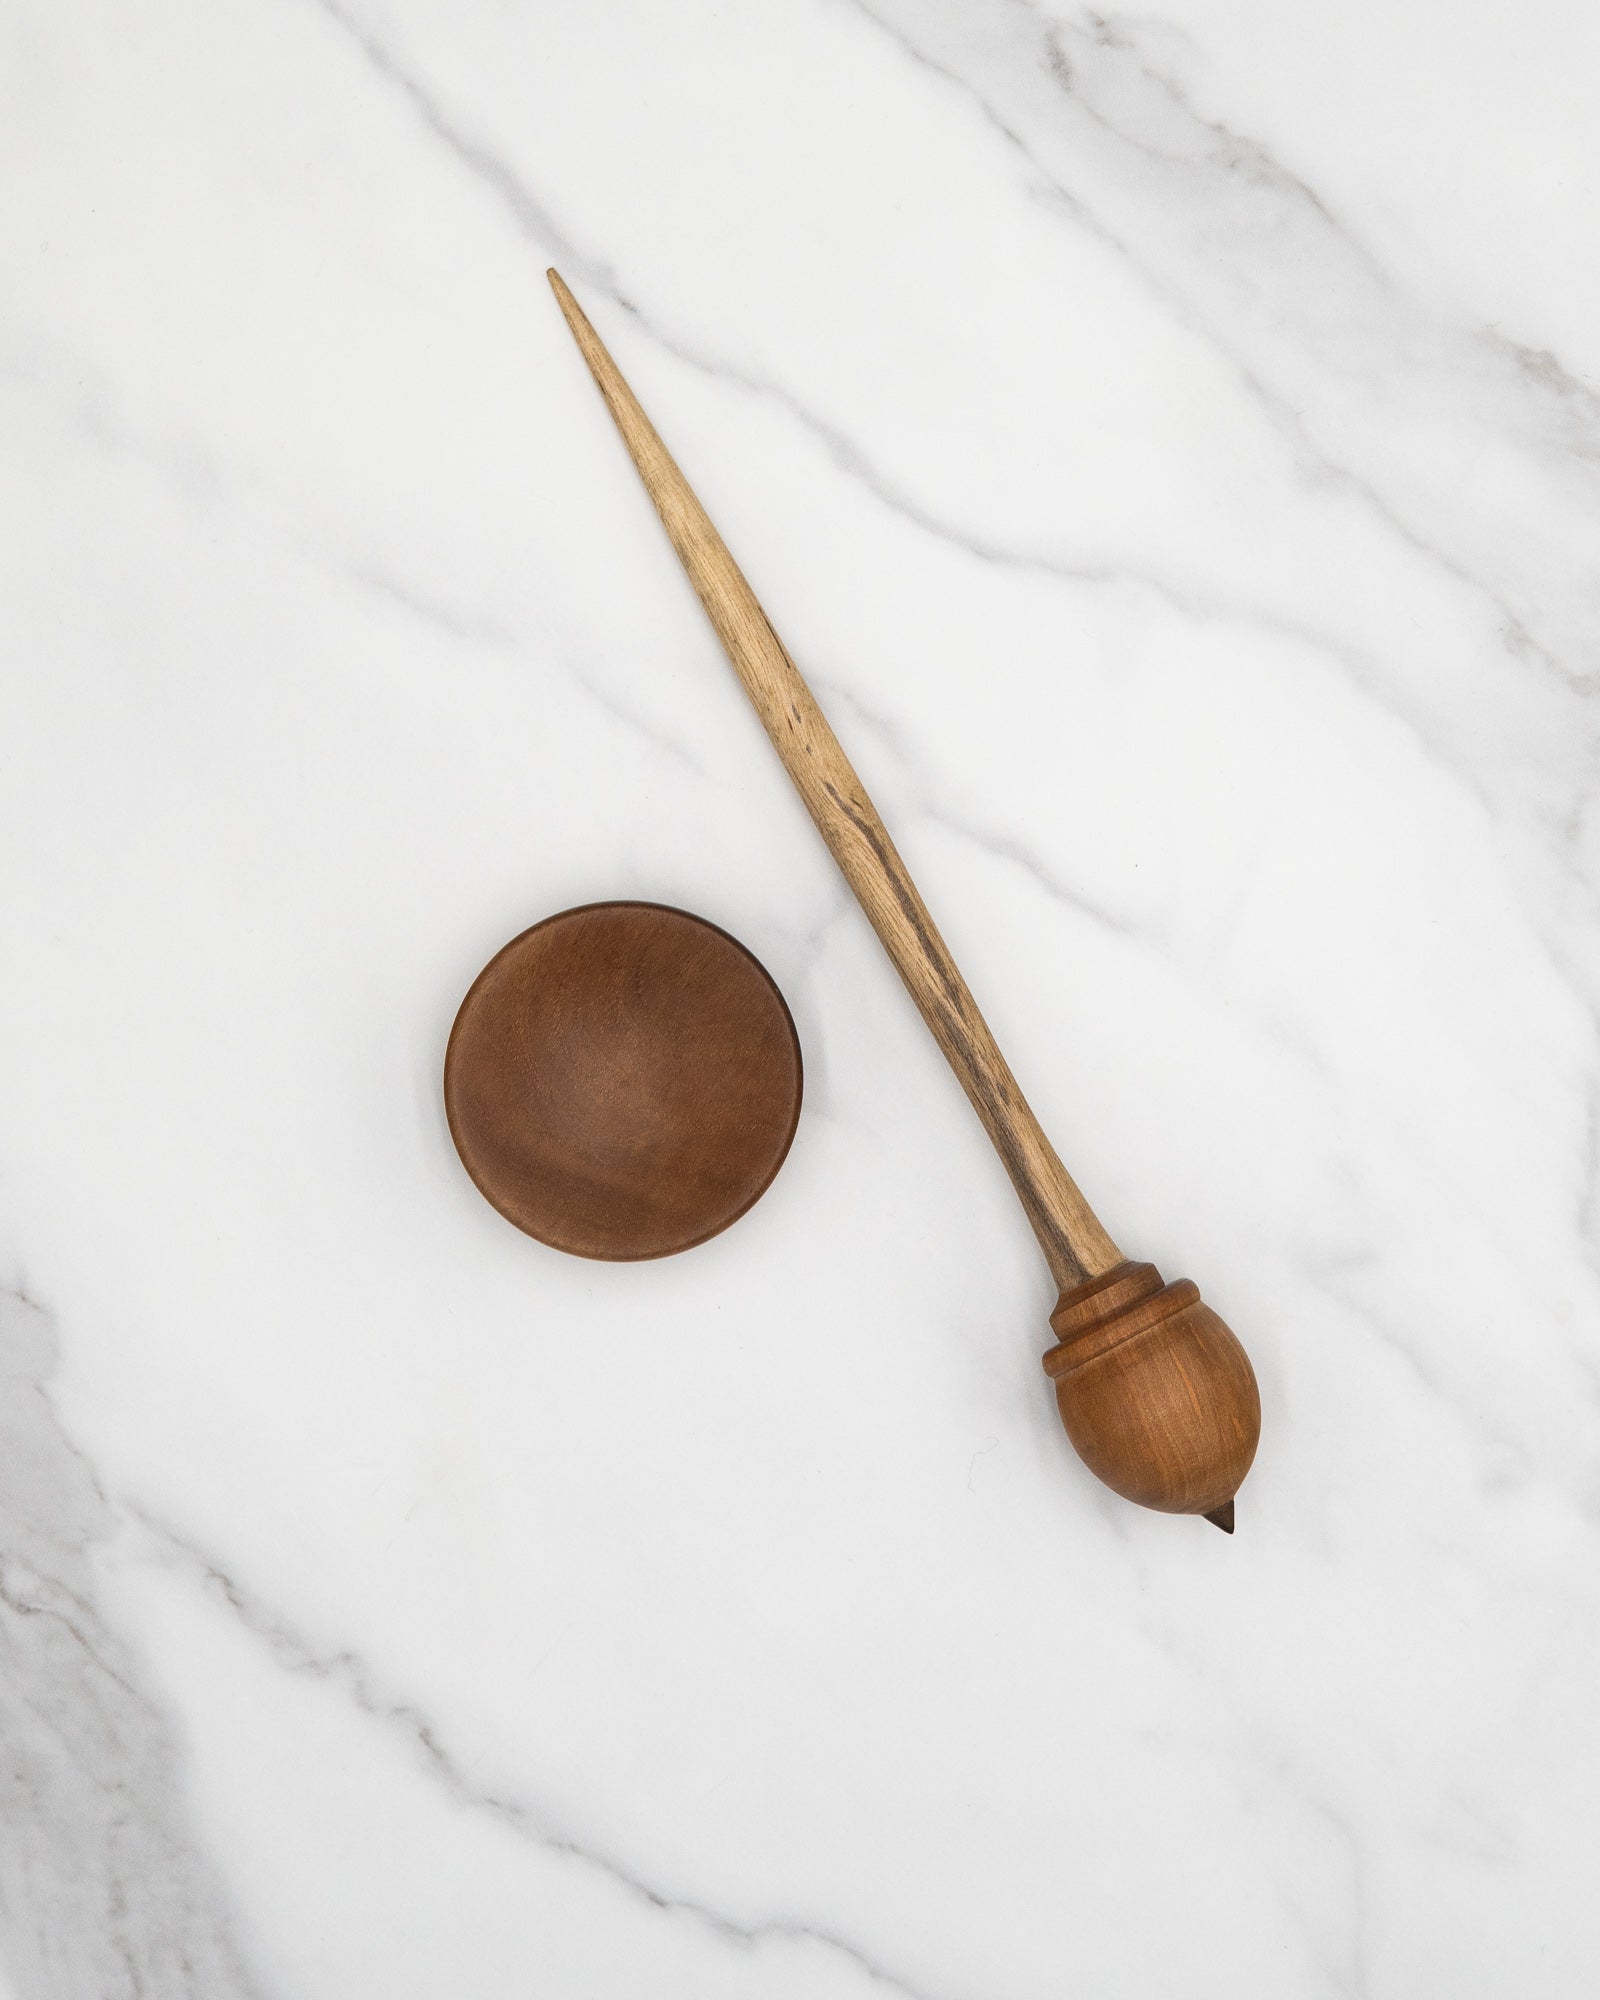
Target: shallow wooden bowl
(623,1080)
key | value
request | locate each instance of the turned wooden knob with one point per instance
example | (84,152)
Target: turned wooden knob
(1158,1398)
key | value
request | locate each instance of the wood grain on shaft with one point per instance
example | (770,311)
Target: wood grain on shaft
(1074,1243)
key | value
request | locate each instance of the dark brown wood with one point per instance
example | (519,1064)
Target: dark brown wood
(1157,1395)
(623,1080)
(1165,1407)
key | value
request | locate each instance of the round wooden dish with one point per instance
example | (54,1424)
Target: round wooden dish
(623,1080)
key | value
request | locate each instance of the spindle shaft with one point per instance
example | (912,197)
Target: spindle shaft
(1075,1244)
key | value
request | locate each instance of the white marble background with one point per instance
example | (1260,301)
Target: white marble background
(1169,441)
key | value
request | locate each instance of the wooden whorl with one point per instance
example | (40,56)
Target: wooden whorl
(1158,1397)
(623,1080)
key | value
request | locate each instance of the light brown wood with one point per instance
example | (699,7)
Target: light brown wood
(1074,1243)
(1078,1249)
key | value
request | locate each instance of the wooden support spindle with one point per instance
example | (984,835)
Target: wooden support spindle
(1155,1392)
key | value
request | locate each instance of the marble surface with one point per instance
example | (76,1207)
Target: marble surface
(1170,443)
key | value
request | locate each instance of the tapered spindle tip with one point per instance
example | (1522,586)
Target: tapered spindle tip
(588,340)
(1223,1516)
